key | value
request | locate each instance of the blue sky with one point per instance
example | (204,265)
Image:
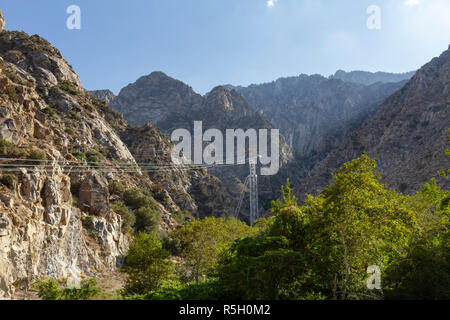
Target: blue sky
(210,42)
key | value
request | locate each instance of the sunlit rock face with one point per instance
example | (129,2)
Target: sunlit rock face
(2,21)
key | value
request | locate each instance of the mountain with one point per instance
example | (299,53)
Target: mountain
(66,161)
(169,104)
(368,78)
(314,113)
(407,134)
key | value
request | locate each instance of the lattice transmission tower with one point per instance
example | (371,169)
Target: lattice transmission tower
(252,183)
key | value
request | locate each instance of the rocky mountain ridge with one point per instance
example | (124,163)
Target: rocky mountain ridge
(169,104)
(64,162)
(369,78)
(407,135)
(315,114)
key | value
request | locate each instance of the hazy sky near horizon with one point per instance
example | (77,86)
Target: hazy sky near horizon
(206,43)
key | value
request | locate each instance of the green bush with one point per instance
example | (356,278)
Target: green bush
(175,290)
(50,290)
(13,77)
(128,217)
(12,92)
(74,115)
(93,157)
(47,290)
(79,155)
(37,154)
(174,246)
(50,111)
(69,131)
(136,199)
(6,147)
(147,219)
(87,290)
(68,86)
(117,188)
(158,192)
(147,265)
(9,180)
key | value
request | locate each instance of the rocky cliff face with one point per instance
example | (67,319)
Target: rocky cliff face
(369,78)
(314,113)
(2,21)
(193,190)
(407,134)
(46,118)
(61,155)
(104,95)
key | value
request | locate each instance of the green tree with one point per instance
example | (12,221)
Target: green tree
(261,268)
(275,263)
(202,242)
(424,273)
(147,219)
(357,222)
(128,217)
(147,265)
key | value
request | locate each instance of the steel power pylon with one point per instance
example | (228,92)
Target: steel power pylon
(253,186)
(252,183)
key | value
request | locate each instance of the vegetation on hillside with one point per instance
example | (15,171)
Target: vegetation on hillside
(320,250)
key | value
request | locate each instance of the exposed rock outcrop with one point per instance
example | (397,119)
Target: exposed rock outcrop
(196,191)
(105,95)
(60,152)
(46,117)
(2,21)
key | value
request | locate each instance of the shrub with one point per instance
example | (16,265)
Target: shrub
(68,86)
(50,290)
(128,217)
(5,147)
(135,199)
(147,219)
(158,192)
(147,265)
(104,152)
(13,77)
(93,157)
(175,290)
(74,115)
(79,155)
(87,290)
(173,246)
(50,111)
(12,92)
(47,290)
(69,131)
(117,187)
(182,216)
(9,180)
(37,154)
